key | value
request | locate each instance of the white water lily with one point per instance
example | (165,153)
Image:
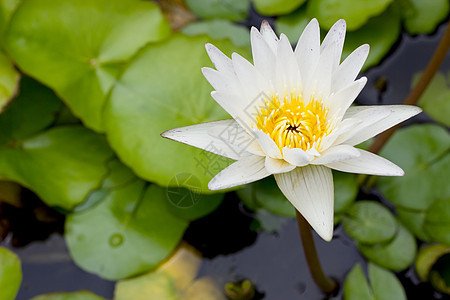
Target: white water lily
(293,109)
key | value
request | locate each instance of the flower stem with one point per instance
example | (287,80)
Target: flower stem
(326,284)
(432,67)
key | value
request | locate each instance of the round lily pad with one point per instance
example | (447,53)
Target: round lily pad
(369,222)
(234,10)
(78,47)
(161,89)
(437,221)
(435,101)
(427,257)
(395,255)
(345,191)
(276,7)
(422,152)
(423,16)
(129,232)
(10,274)
(414,221)
(81,295)
(355,13)
(62,165)
(356,286)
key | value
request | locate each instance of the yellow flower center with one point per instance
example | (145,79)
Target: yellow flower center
(290,123)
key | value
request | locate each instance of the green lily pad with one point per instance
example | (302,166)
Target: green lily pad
(61,165)
(186,203)
(345,191)
(440,274)
(269,196)
(369,222)
(427,257)
(356,286)
(437,221)
(33,110)
(78,47)
(423,16)
(234,10)
(220,29)
(174,94)
(10,274)
(380,32)
(383,285)
(154,285)
(397,254)
(355,13)
(435,101)
(128,232)
(422,152)
(292,25)
(81,295)
(7,7)
(414,221)
(276,7)
(9,81)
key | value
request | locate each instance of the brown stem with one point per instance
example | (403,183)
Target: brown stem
(420,87)
(326,284)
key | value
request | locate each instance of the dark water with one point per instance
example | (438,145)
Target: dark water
(274,262)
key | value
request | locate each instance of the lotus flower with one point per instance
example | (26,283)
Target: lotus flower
(292,118)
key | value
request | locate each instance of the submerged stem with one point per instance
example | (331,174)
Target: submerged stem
(326,284)
(414,95)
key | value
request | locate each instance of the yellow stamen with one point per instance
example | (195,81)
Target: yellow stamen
(290,123)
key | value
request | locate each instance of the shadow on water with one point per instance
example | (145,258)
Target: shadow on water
(274,262)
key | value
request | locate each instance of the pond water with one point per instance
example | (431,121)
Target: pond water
(274,262)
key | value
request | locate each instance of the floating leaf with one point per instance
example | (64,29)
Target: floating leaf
(7,7)
(426,164)
(276,7)
(437,221)
(269,196)
(414,221)
(435,101)
(423,16)
(81,295)
(234,10)
(128,232)
(356,286)
(174,94)
(61,165)
(355,13)
(292,25)
(369,222)
(78,47)
(380,32)
(345,191)
(10,274)
(383,285)
(440,274)
(220,29)
(396,255)
(9,81)
(427,257)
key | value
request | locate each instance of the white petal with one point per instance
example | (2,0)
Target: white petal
(307,51)
(336,153)
(252,81)
(220,137)
(267,144)
(335,39)
(269,36)
(296,156)
(397,114)
(221,62)
(362,119)
(367,163)
(222,82)
(310,190)
(241,172)
(263,56)
(350,68)
(320,83)
(287,72)
(341,101)
(275,166)
(235,105)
